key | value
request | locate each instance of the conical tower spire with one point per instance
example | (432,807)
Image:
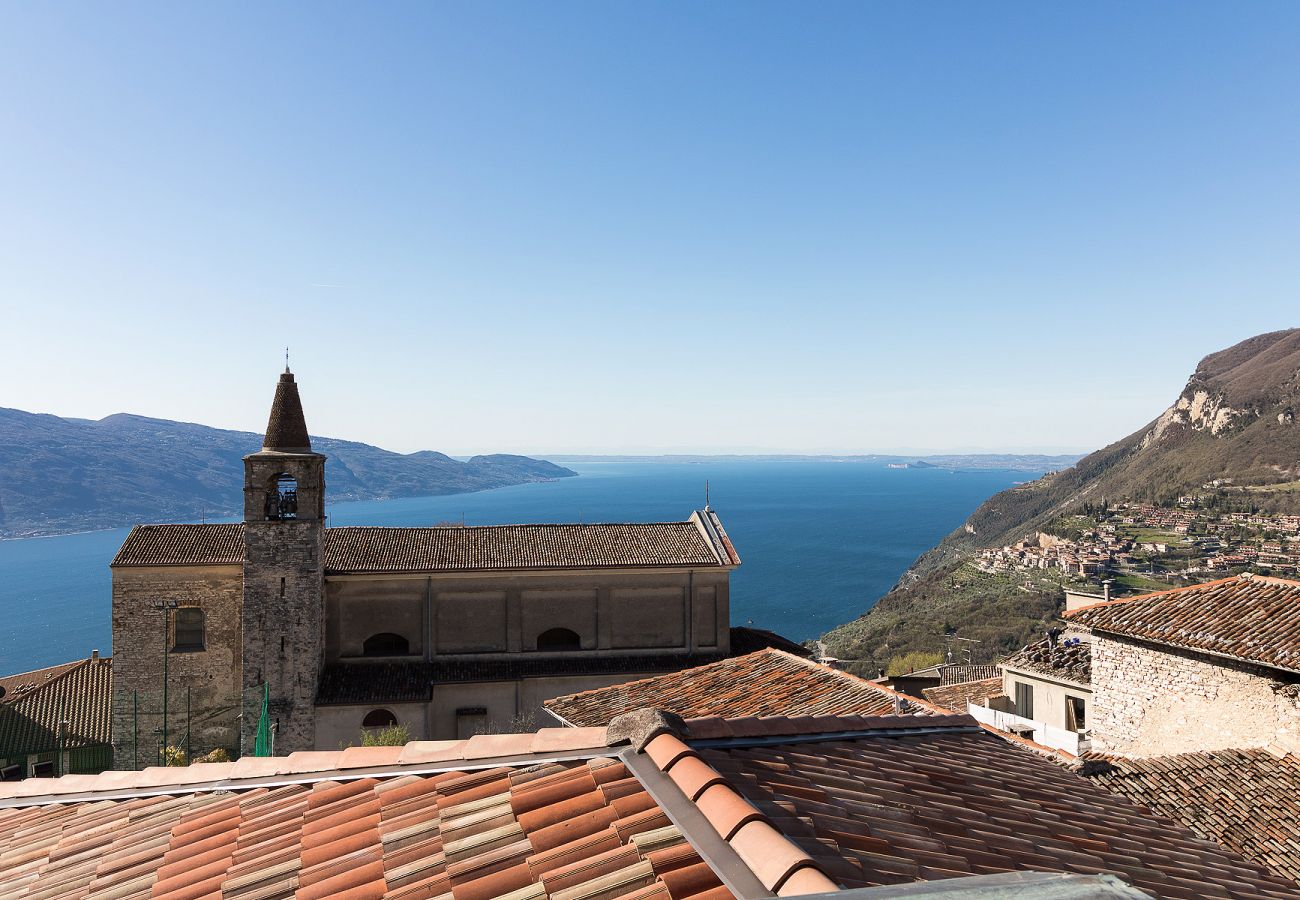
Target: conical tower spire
(286,431)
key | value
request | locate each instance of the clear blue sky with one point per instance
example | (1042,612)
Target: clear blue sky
(637,226)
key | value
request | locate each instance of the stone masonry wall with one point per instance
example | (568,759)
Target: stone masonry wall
(1153,702)
(211,675)
(283,627)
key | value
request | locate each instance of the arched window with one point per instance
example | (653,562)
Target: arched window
(189,629)
(379,718)
(386,644)
(559,639)
(282,498)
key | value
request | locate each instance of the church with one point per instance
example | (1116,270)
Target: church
(449,631)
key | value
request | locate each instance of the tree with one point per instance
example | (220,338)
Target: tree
(396,735)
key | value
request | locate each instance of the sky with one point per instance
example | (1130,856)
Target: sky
(645,227)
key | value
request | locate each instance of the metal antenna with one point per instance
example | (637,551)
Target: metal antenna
(286,359)
(706,495)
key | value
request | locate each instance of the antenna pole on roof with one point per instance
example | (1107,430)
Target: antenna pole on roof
(706,495)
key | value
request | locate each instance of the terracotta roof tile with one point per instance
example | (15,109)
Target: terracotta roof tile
(891,806)
(1069,659)
(35,703)
(1248,617)
(765,683)
(213,544)
(1246,800)
(404,835)
(451,549)
(955,697)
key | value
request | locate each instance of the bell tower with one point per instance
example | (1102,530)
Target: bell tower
(283,620)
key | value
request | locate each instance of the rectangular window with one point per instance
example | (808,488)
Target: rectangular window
(189,629)
(1024,700)
(1076,713)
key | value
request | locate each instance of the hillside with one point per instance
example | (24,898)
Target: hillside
(1231,433)
(64,475)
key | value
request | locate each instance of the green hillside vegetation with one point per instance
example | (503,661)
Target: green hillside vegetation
(1254,442)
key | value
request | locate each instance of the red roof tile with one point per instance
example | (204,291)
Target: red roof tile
(765,683)
(1249,617)
(955,697)
(696,542)
(1246,800)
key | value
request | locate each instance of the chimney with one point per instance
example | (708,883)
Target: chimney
(94,654)
(1105,591)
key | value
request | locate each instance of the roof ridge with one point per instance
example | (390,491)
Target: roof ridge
(769,854)
(648,678)
(498,525)
(860,681)
(249,772)
(1165,593)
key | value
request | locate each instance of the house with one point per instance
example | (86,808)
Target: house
(56,721)
(1214,666)
(445,630)
(646,808)
(768,682)
(957,697)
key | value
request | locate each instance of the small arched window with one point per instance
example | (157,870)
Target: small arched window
(379,718)
(189,629)
(282,498)
(559,639)
(386,644)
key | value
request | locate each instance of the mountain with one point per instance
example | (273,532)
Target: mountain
(1234,423)
(59,475)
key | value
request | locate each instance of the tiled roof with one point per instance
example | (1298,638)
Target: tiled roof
(398,681)
(1247,617)
(490,547)
(956,696)
(875,810)
(765,683)
(80,694)
(787,805)
(1246,800)
(960,673)
(452,549)
(14,686)
(1072,662)
(183,545)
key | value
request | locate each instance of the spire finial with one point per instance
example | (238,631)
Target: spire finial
(286,359)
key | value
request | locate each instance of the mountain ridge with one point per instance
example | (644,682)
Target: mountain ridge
(1233,426)
(70,474)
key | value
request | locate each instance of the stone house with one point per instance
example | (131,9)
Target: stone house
(1210,667)
(446,630)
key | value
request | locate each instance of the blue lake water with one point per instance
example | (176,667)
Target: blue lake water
(819,541)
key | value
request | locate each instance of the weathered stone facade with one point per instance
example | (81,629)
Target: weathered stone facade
(284,591)
(1150,700)
(211,675)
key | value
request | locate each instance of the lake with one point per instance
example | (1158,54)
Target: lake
(820,541)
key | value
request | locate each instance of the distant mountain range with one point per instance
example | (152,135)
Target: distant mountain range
(1233,426)
(1014,462)
(59,475)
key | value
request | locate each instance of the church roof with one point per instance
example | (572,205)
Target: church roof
(182,545)
(287,429)
(496,547)
(363,550)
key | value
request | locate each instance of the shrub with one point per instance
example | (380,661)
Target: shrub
(392,736)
